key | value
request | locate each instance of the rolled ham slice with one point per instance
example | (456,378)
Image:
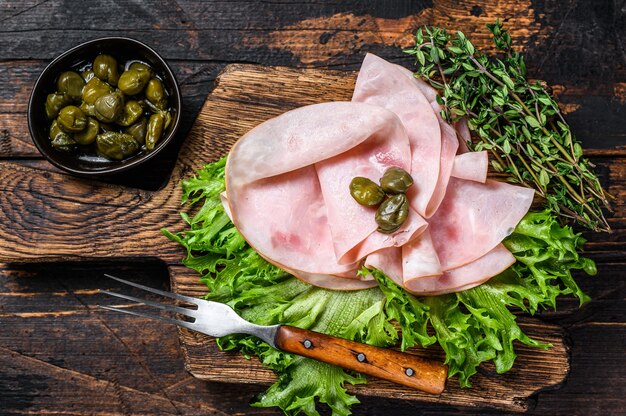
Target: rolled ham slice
(472,166)
(463,134)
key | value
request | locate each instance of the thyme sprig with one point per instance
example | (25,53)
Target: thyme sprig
(517,120)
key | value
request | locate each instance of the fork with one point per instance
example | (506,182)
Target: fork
(217,320)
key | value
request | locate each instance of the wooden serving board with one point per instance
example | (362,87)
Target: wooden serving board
(49,216)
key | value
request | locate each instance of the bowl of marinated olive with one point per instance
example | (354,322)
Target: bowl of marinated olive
(104,107)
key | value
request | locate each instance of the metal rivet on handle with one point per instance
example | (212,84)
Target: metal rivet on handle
(360,357)
(307,344)
(409,372)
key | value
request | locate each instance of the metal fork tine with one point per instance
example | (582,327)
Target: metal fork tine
(171,295)
(188,325)
(169,308)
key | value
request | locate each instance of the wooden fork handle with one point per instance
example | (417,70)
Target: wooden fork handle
(394,366)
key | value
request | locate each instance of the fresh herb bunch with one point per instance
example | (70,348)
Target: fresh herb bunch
(472,326)
(515,119)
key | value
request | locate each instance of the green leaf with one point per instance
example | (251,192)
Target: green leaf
(544,179)
(420,57)
(506,147)
(532,122)
(434,55)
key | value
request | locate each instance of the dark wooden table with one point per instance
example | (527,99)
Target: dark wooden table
(59,355)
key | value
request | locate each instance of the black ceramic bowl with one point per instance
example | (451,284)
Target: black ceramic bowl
(87,163)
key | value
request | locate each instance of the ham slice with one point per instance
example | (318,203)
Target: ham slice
(474,218)
(387,85)
(291,202)
(449,145)
(389,260)
(352,225)
(419,259)
(472,166)
(288,193)
(464,135)
(464,277)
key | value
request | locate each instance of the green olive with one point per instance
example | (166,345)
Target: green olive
(88,135)
(392,213)
(116,145)
(156,125)
(88,109)
(168,119)
(105,68)
(138,130)
(71,119)
(139,66)
(54,103)
(396,181)
(133,81)
(130,114)
(87,75)
(71,84)
(366,192)
(60,140)
(155,93)
(95,89)
(109,107)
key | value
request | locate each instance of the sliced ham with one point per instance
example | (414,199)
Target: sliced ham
(474,218)
(411,229)
(333,282)
(352,225)
(449,145)
(288,187)
(283,217)
(472,166)
(419,259)
(464,277)
(464,135)
(302,137)
(388,260)
(387,85)
(288,191)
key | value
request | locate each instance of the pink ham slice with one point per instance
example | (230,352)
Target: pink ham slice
(464,135)
(352,226)
(387,85)
(275,195)
(419,259)
(464,277)
(474,218)
(389,261)
(449,145)
(472,166)
(288,179)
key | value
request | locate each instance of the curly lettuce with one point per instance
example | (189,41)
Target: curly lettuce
(472,326)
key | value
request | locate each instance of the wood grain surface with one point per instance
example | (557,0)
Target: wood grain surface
(59,355)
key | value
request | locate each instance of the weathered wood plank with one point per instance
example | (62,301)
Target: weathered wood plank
(575,45)
(56,344)
(199,39)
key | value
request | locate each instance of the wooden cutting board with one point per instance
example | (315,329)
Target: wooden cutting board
(50,216)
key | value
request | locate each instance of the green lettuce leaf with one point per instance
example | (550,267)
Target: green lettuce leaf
(472,326)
